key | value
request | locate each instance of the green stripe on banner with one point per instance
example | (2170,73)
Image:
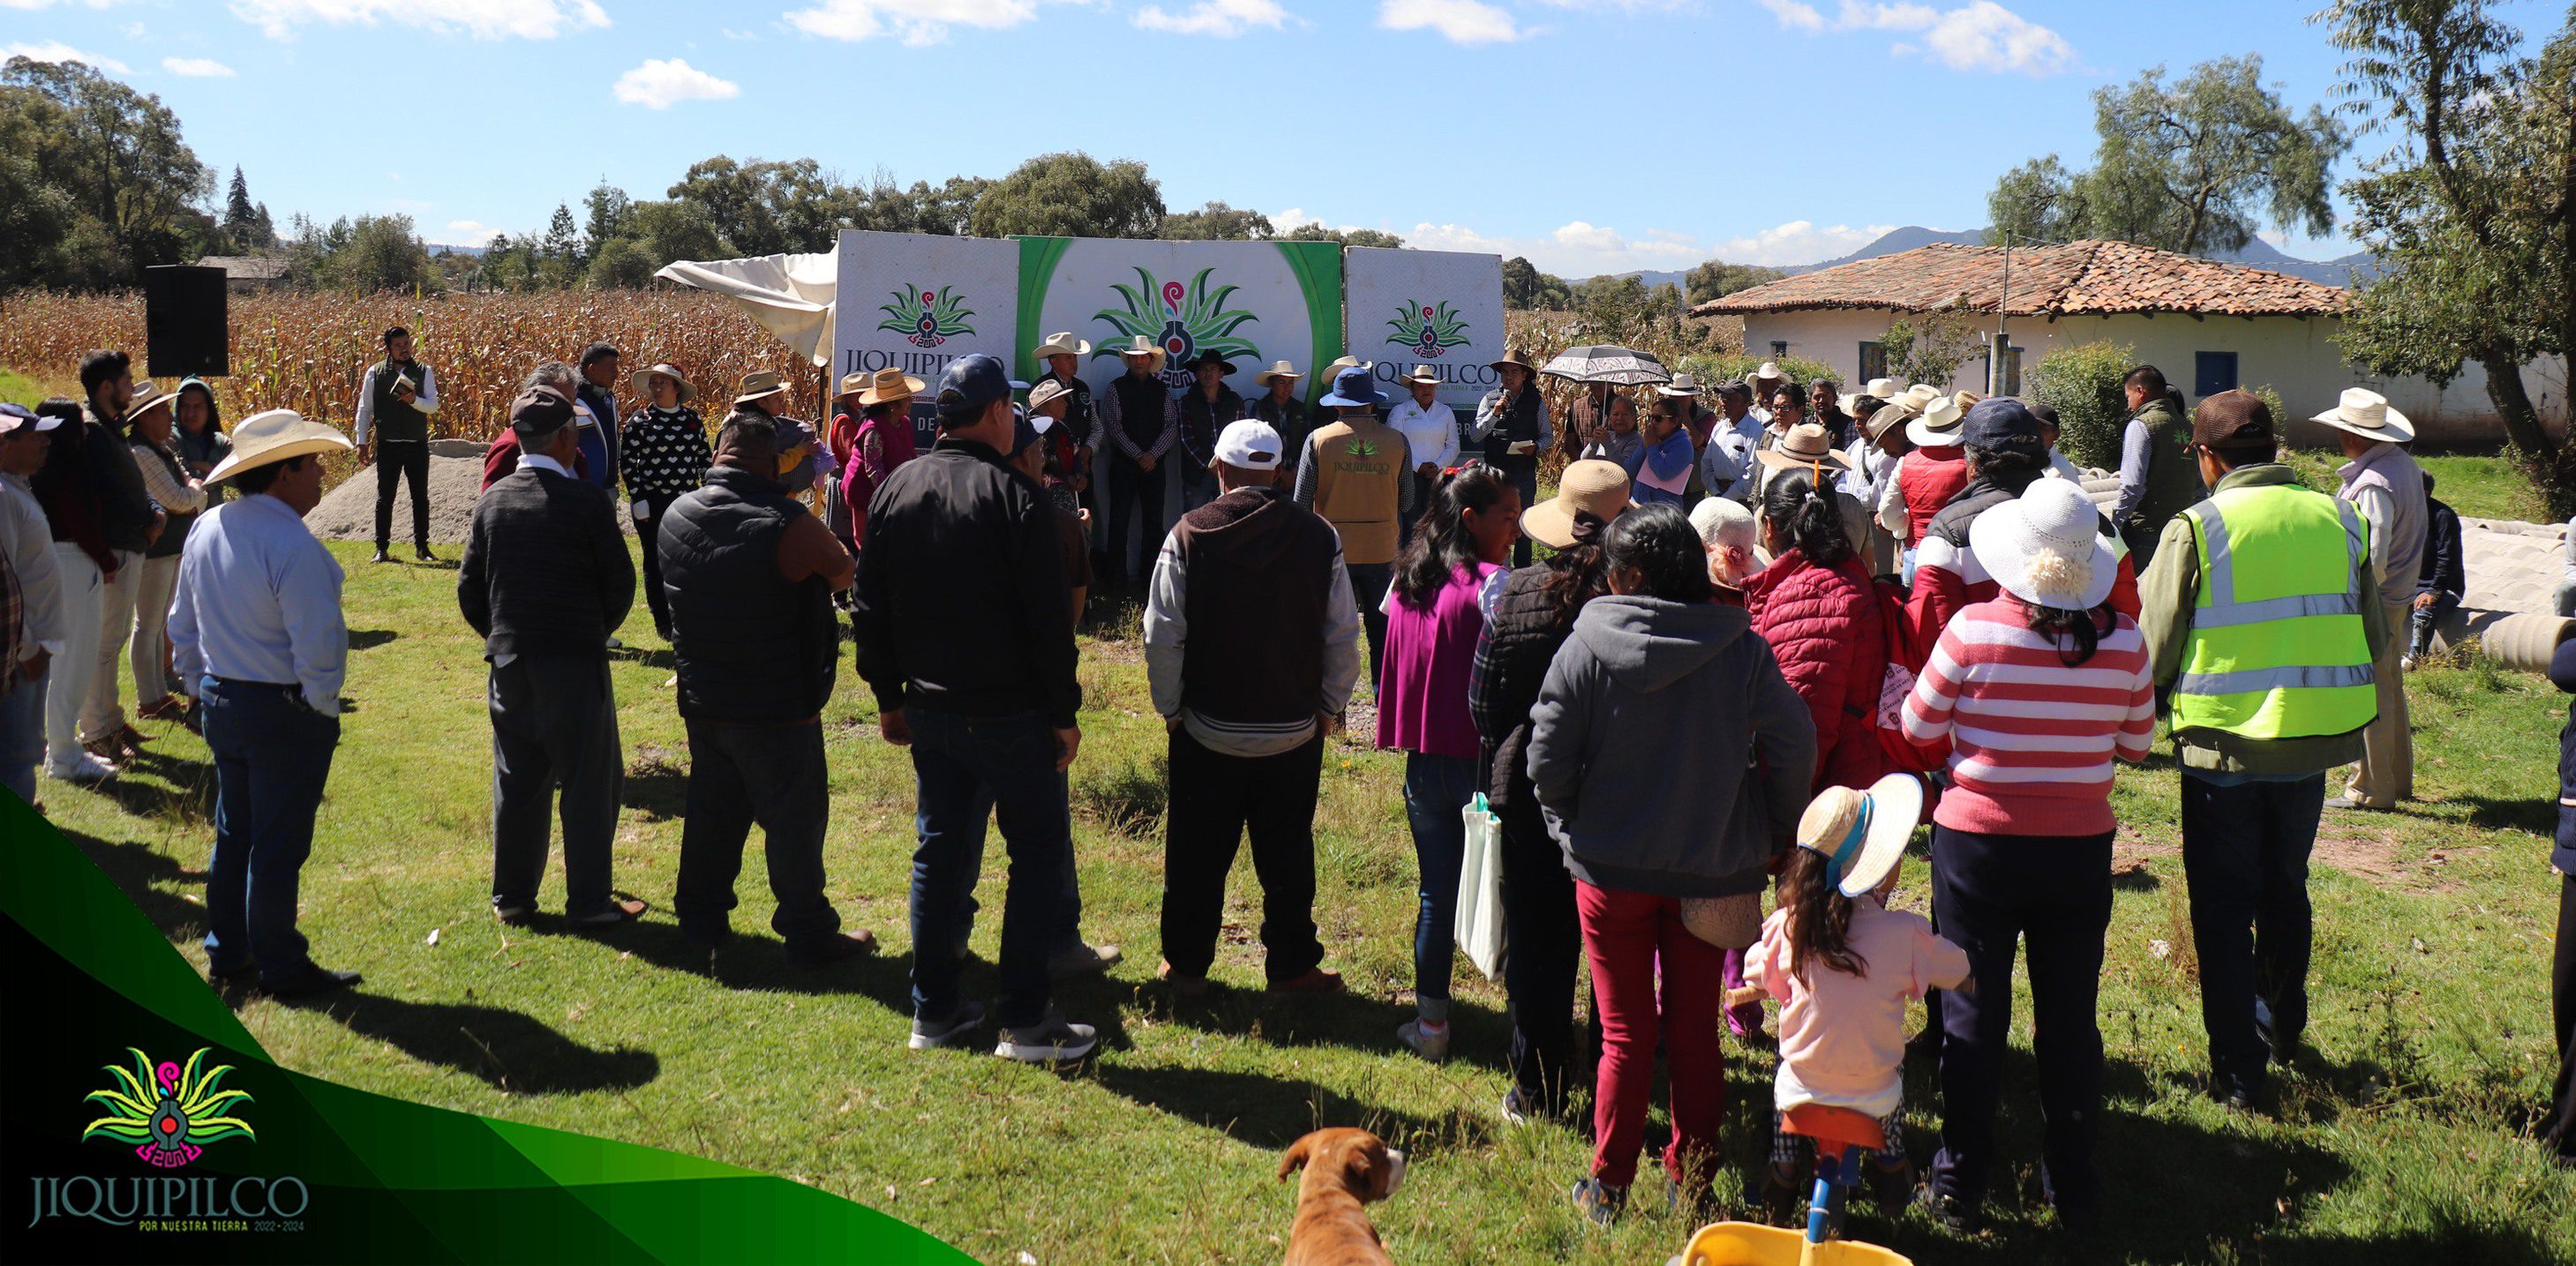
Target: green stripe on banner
(372,1178)
(1318,266)
(1038,256)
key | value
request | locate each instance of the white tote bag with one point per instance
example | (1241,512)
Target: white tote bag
(1479,925)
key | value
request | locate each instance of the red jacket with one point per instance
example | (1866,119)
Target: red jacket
(1929,478)
(1826,629)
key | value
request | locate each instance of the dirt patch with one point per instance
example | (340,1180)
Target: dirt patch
(2377,857)
(2131,851)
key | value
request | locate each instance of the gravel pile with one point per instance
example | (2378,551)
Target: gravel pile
(348,512)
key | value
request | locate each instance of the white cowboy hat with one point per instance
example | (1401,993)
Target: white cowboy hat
(2366,413)
(643,381)
(1683,384)
(1863,832)
(1044,394)
(1884,388)
(1807,444)
(1936,423)
(1277,370)
(1424,375)
(1768,371)
(1064,344)
(1145,346)
(277,435)
(1921,394)
(2046,547)
(148,396)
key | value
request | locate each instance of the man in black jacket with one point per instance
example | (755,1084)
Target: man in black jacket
(965,638)
(545,578)
(2444,578)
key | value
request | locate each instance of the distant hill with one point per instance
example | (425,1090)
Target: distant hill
(2257,253)
(1892,242)
(1651,278)
(475,251)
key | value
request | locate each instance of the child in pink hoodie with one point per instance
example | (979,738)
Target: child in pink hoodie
(1843,966)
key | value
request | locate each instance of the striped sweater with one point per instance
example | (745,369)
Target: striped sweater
(2031,738)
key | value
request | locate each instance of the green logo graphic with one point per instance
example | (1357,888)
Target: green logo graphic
(168,1112)
(1426,331)
(1185,320)
(925,319)
(1359,448)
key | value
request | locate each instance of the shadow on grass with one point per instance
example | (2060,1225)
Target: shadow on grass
(156,786)
(370,639)
(1478,1036)
(661,659)
(135,868)
(657,784)
(2535,814)
(1273,1112)
(760,963)
(511,1052)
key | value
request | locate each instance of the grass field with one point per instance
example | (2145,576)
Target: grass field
(2404,1136)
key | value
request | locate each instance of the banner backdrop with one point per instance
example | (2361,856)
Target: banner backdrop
(916,301)
(1252,302)
(1438,308)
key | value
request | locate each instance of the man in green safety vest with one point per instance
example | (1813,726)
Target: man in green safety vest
(2262,613)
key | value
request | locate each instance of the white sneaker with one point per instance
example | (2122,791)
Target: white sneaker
(1054,1040)
(1429,1043)
(87,769)
(932,1034)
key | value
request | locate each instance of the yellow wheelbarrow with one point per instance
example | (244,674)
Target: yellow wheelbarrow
(1840,1135)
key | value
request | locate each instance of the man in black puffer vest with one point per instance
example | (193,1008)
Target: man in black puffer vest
(749,575)
(545,577)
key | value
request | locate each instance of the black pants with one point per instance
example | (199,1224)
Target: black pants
(1135,498)
(407,460)
(1216,800)
(554,729)
(1368,590)
(2560,1129)
(1543,946)
(1996,893)
(2245,864)
(738,775)
(648,533)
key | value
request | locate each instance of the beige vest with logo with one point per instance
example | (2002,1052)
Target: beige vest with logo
(1358,463)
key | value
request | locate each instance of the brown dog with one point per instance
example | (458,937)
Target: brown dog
(1345,1169)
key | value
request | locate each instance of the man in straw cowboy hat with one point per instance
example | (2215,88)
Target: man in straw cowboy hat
(663,456)
(799,462)
(2158,477)
(396,399)
(1511,424)
(256,627)
(2383,482)
(1357,472)
(545,579)
(2263,613)
(1279,406)
(1141,421)
(1926,478)
(1075,436)
(1762,381)
(1430,429)
(881,442)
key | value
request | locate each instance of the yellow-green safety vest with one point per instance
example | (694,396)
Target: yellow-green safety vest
(2277,648)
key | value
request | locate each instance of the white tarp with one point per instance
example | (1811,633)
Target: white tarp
(790,295)
(917,301)
(1443,309)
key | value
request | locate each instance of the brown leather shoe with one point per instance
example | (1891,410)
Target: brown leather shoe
(1182,983)
(132,738)
(1316,980)
(165,708)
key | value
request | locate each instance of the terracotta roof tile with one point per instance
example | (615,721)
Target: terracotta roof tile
(2077,277)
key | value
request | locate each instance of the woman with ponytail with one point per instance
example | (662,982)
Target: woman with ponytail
(1818,608)
(1675,760)
(1434,612)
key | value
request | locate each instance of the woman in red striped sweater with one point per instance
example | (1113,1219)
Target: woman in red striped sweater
(2036,692)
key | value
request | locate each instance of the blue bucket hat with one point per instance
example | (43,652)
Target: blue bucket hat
(1353,388)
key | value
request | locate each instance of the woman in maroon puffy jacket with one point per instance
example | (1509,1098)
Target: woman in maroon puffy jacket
(1817,607)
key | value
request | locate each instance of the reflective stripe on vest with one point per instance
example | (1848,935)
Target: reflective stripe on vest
(2277,647)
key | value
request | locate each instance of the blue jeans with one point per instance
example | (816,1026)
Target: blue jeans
(1437,790)
(1068,936)
(22,735)
(960,765)
(272,757)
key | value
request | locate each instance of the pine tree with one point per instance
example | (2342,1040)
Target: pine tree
(246,225)
(563,238)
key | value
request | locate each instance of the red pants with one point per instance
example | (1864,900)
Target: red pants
(1624,934)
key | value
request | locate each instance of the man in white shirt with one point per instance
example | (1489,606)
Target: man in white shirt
(1431,430)
(396,401)
(1728,456)
(28,544)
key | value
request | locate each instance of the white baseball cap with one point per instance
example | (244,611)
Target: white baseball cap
(1250,444)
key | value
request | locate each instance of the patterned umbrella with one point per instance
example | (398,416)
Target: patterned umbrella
(1608,363)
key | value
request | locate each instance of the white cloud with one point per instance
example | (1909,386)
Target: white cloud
(1794,16)
(1224,19)
(42,4)
(57,51)
(197,67)
(469,232)
(917,22)
(1979,36)
(1463,21)
(482,19)
(659,84)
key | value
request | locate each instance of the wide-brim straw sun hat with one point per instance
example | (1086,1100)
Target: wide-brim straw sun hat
(2366,413)
(1884,388)
(1046,393)
(1897,413)
(148,396)
(1922,394)
(1595,489)
(1864,833)
(1276,371)
(2046,548)
(1807,444)
(643,381)
(1145,346)
(1936,423)
(890,384)
(759,384)
(1683,384)
(277,435)
(1064,344)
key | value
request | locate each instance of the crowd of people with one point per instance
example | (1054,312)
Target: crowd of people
(1767,641)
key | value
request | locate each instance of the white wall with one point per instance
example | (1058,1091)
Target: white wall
(2297,358)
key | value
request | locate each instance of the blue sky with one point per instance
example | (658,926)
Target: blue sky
(1589,135)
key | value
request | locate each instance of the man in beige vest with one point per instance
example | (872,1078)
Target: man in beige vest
(1355,471)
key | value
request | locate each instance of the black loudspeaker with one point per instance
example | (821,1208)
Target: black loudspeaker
(184,322)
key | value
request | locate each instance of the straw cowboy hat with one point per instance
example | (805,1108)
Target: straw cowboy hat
(643,381)
(1682,385)
(148,396)
(1936,423)
(759,384)
(1921,394)
(1887,419)
(1592,490)
(1517,356)
(1807,444)
(1769,371)
(887,385)
(1145,346)
(1884,388)
(1064,344)
(1862,833)
(278,435)
(2359,410)
(2045,547)
(1333,371)
(1047,393)
(1277,371)
(1425,375)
